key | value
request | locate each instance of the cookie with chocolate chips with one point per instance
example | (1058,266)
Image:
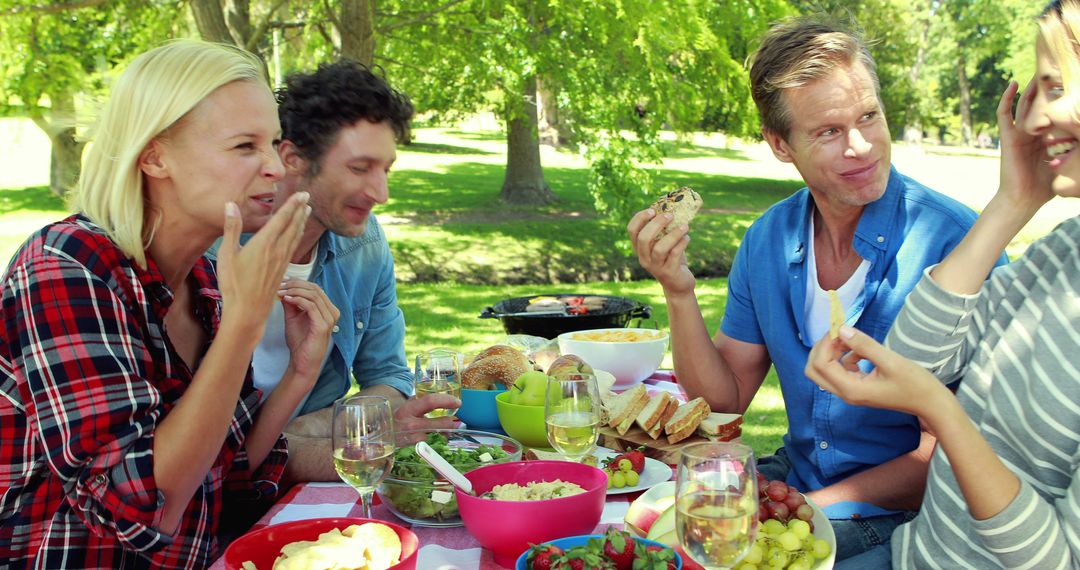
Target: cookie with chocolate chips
(683,204)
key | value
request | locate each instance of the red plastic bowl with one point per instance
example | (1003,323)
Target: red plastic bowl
(263,546)
(507,527)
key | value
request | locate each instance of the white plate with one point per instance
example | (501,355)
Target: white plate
(824,531)
(654,472)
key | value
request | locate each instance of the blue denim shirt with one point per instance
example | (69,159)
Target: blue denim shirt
(357,274)
(909,228)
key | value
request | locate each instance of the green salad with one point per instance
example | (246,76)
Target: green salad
(415,501)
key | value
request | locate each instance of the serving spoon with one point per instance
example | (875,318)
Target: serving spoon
(444,468)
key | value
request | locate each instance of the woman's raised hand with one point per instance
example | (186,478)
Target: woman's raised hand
(309,323)
(1025,176)
(249,276)
(896,383)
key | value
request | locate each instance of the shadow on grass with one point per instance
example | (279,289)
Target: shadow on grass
(439,148)
(29,198)
(479,135)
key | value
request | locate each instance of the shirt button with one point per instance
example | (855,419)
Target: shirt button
(800,336)
(100,479)
(336,328)
(359,325)
(881,239)
(824,445)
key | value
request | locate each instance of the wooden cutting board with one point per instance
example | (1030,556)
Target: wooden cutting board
(635,437)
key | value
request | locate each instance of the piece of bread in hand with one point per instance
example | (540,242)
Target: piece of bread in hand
(657,430)
(721,427)
(653,412)
(624,408)
(683,204)
(686,419)
(499,364)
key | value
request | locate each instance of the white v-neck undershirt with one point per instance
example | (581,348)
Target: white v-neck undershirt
(817,299)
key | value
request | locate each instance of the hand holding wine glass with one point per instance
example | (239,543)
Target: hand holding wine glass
(716,499)
(572,414)
(363,439)
(438,371)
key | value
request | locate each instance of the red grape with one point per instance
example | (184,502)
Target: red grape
(804,512)
(777,490)
(779,511)
(763,512)
(794,501)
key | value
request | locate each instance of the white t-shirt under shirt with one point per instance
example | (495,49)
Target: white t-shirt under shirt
(271,356)
(817,299)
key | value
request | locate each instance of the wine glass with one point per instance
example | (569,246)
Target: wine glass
(716,500)
(363,439)
(572,414)
(438,371)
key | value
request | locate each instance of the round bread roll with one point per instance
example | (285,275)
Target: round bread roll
(496,364)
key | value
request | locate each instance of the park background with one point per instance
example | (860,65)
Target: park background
(541,127)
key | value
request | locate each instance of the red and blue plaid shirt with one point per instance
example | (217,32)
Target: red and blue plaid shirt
(86,373)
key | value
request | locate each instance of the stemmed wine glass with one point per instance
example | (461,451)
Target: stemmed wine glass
(716,498)
(363,439)
(438,371)
(572,414)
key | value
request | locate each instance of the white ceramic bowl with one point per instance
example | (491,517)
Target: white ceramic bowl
(629,361)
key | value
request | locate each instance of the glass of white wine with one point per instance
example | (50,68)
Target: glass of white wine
(716,499)
(438,371)
(572,414)
(363,439)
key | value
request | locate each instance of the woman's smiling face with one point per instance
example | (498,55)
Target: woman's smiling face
(1053,119)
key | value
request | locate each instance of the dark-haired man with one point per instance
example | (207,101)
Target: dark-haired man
(860,228)
(340,125)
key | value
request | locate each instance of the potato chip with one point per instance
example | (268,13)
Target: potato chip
(616,336)
(836,315)
(248,565)
(370,546)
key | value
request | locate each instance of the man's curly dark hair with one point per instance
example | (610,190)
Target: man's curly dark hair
(313,107)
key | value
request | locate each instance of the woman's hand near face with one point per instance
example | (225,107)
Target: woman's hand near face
(663,258)
(309,322)
(249,276)
(1025,176)
(896,383)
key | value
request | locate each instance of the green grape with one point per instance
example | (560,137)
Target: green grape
(609,481)
(632,478)
(821,549)
(801,528)
(755,555)
(746,566)
(618,480)
(788,541)
(799,564)
(773,527)
(625,465)
(776,557)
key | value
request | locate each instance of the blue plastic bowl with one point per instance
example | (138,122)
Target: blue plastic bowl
(572,541)
(478,409)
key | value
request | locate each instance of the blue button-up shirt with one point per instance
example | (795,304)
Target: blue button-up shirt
(357,274)
(909,228)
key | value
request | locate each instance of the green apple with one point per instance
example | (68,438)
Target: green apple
(529,389)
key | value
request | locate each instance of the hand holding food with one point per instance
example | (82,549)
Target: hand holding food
(664,256)
(683,204)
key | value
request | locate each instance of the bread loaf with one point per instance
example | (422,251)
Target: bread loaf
(496,364)
(683,204)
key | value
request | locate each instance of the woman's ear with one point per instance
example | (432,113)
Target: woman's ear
(151,162)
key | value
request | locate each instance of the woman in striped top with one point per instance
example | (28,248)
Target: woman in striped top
(1003,488)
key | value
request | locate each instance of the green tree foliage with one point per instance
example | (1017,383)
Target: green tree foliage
(55,58)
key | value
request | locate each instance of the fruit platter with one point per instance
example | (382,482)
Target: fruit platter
(630,471)
(783,540)
(613,550)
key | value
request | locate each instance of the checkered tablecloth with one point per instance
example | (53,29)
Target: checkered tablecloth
(440,548)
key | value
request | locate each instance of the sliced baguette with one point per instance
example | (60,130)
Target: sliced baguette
(658,429)
(651,413)
(686,419)
(627,405)
(721,427)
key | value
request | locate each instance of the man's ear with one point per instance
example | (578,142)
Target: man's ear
(294,162)
(780,148)
(151,162)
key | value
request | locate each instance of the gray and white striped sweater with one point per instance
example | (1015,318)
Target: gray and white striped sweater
(1016,347)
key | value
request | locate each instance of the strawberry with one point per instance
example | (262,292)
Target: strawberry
(543,556)
(653,557)
(637,458)
(619,548)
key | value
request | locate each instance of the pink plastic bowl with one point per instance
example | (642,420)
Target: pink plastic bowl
(263,546)
(507,527)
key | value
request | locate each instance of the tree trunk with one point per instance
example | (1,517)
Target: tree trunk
(358,30)
(238,17)
(965,99)
(552,118)
(65,159)
(914,121)
(524,183)
(210,20)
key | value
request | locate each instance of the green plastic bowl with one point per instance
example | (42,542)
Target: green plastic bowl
(523,423)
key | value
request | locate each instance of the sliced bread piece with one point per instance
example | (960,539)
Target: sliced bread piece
(658,429)
(686,419)
(627,404)
(721,427)
(650,414)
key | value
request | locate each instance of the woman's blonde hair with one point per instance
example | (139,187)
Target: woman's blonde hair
(157,90)
(1059,26)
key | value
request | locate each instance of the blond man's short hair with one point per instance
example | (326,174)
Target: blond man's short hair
(156,90)
(796,52)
